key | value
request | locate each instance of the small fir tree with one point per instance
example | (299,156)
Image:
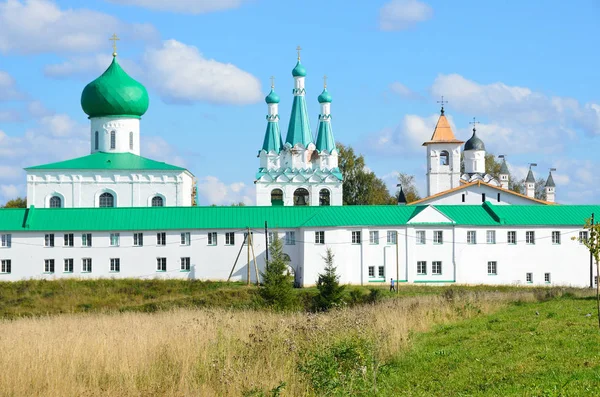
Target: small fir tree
(278,285)
(592,242)
(330,291)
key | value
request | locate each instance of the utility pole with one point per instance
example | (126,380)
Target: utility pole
(397,265)
(266,245)
(592,258)
(248,245)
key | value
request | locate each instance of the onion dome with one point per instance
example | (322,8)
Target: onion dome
(114,93)
(325,96)
(299,70)
(272,97)
(474,143)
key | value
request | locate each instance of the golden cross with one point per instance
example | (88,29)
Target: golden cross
(298,49)
(114,39)
(325,81)
(272,81)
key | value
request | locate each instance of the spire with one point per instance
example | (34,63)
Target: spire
(443,132)
(504,167)
(272,141)
(550,180)
(530,178)
(299,127)
(401,197)
(325,140)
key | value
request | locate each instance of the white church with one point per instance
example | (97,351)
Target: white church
(116,214)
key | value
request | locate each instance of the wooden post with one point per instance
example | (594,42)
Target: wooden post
(236,260)
(397,265)
(248,245)
(255,264)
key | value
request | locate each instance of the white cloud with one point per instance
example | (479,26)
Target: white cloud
(9,192)
(184,6)
(158,149)
(182,74)
(10,115)
(40,26)
(87,67)
(212,191)
(402,14)
(8,87)
(400,89)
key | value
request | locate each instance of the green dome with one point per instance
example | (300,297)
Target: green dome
(299,70)
(272,97)
(474,143)
(325,96)
(114,93)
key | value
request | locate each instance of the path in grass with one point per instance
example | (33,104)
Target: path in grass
(534,349)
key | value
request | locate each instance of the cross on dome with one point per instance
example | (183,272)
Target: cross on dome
(114,39)
(298,49)
(272,81)
(474,123)
(325,81)
(442,102)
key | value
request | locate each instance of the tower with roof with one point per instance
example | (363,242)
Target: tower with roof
(113,174)
(550,187)
(298,171)
(530,182)
(443,157)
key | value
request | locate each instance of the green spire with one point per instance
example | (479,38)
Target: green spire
(325,140)
(114,93)
(299,127)
(272,141)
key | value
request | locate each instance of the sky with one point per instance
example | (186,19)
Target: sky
(527,70)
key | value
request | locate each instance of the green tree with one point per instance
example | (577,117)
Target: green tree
(277,289)
(592,242)
(539,192)
(408,187)
(19,202)
(361,186)
(492,165)
(328,284)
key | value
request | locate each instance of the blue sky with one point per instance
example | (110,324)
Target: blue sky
(526,70)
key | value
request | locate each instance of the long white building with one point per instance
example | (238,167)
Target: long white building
(467,244)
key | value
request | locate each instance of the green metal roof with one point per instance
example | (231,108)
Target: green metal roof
(474,143)
(272,141)
(272,97)
(299,127)
(299,70)
(325,140)
(325,96)
(114,93)
(108,161)
(238,218)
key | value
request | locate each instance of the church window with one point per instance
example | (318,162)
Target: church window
(130,140)
(529,277)
(471,237)
(113,140)
(463,197)
(158,201)
(530,237)
(185,238)
(5,240)
(48,265)
(498,197)
(556,237)
(106,200)
(276,197)
(324,197)
(436,267)
(483,197)
(49,240)
(138,239)
(547,278)
(511,237)
(356,237)
(161,238)
(320,237)
(371,271)
(115,239)
(438,236)
(55,202)
(421,267)
(96,140)
(583,236)
(301,197)
(212,238)
(421,236)
(185,264)
(161,264)
(68,239)
(381,272)
(86,240)
(230,238)
(290,238)
(491,237)
(492,268)
(115,265)
(374,237)
(392,236)
(444,158)
(5,266)
(68,268)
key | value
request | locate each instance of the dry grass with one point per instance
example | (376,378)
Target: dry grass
(207,352)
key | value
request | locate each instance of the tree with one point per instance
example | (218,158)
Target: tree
(277,289)
(492,165)
(592,242)
(361,186)
(330,291)
(539,192)
(408,187)
(19,202)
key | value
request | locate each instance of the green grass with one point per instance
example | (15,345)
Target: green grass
(549,348)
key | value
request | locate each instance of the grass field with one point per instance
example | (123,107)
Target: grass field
(432,341)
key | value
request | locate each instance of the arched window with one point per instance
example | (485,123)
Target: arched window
(131,141)
(55,202)
(96,141)
(113,140)
(106,200)
(301,197)
(276,197)
(158,201)
(324,197)
(444,158)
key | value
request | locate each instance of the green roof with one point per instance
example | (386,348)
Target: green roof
(108,161)
(325,96)
(474,143)
(325,140)
(272,97)
(299,70)
(181,218)
(299,127)
(114,93)
(272,141)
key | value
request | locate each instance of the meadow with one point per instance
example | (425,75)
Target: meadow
(427,341)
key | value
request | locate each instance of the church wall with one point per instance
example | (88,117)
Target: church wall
(264,189)
(473,196)
(567,262)
(131,189)
(122,127)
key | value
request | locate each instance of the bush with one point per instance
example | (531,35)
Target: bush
(277,290)
(330,291)
(375,295)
